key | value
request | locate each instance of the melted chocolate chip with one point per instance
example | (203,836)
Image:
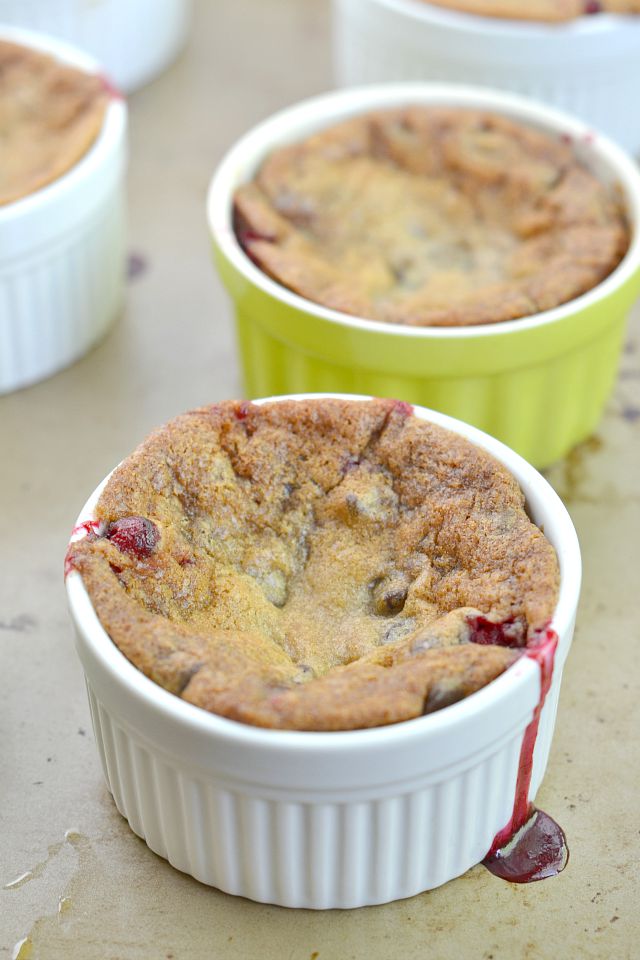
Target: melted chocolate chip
(442,694)
(388,596)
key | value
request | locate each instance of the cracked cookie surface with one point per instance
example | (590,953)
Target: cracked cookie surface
(431,217)
(315,564)
(50,115)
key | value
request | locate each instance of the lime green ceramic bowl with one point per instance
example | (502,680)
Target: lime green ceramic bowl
(539,384)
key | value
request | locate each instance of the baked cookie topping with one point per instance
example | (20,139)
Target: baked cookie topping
(431,216)
(541,10)
(316,564)
(50,114)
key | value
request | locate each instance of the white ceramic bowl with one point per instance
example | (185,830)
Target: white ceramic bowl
(134,40)
(325,820)
(589,66)
(62,249)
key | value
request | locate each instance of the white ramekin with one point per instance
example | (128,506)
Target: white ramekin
(589,66)
(324,820)
(134,40)
(62,249)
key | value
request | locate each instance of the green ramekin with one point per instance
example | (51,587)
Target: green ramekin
(539,384)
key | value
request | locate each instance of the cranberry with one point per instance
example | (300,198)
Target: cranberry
(252,236)
(507,633)
(134,535)
(243,409)
(247,237)
(592,6)
(246,234)
(403,408)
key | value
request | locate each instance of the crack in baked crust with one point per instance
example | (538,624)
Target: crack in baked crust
(315,564)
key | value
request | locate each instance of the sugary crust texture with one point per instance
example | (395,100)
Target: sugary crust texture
(318,564)
(50,115)
(431,217)
(540,10)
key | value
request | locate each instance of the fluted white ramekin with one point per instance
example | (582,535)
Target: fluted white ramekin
(589,66)
(134,40)
(62,249)
(325,820)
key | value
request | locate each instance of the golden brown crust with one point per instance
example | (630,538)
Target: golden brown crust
(319,564)
(50,114)
(552,11)
(431,217)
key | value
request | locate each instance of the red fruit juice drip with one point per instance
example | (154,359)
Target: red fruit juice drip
(110,87)
(531,846)
(90,528)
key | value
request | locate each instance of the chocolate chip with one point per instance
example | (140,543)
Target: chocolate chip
(442,694)
(389,596)
(185,676)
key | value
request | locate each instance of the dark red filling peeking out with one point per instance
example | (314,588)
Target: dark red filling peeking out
(91,528)
(508,633)
(592,6)
(136,536)
(403,408)
(252,236)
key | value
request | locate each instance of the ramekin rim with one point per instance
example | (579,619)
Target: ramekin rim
(111,131)
(462,20)
(458,714)
(355,100)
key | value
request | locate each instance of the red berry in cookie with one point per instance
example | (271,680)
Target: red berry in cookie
(134,535)
(507,633)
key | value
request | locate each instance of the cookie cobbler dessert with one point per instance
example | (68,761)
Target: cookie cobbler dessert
(50,115)
(431,216)
(316,564)
(542,10)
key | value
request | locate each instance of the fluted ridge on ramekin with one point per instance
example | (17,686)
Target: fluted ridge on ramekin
(55,304)
(510,405)
(317,855)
